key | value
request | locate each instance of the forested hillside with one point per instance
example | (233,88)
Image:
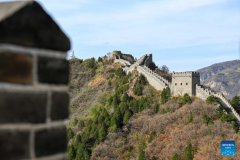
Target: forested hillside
(119,116)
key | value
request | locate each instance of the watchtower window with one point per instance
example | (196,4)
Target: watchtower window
(186,83)
(175,84)
(181,84)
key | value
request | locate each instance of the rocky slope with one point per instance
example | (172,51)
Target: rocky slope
(222,77)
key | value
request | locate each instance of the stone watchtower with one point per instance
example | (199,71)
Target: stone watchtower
(184,82)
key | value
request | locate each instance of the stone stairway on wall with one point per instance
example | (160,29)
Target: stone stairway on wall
(204,93)
(132,67)
(154,79)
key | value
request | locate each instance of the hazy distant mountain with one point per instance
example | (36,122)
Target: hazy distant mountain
(222,77)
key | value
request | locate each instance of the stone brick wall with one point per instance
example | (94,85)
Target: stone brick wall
(205,93)
(128,69)
(148,60)
(154,79)
(34,74)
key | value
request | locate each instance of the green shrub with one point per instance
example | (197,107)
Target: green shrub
(89,63)
(142,146)
(188,152)
(85,137)
(212,99)
(138,90)
(102,98)
(207,120)
(127,116)
(125,97)
(175,156)
(119,72)
(71,153)
(113,128)
(142,80)
(190,118)
(227,117)
(236,103)
(155,108)
(186,99)
(70,134)
(161,131)
(162,111)
(165,95)
(82,152)
(75,121)
(109,83)
(100,59)
(152,135)
(219,112)
(144,102)
(117,118)
(77,141)
(153,158)
(142,156)
(81,124)
(102,133)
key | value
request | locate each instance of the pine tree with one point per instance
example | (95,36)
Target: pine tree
(118,117)
(77,141)
(82,152)
(102,133)
(69,133)
(236,103)
(155,108)
(153,158)
(71,153)
(81,124)
(190,118)
(125,97)
(99,59)
(186,99)
(188,152)
(175,156)
(165,95)
(127,116)
(152,135)
(142,156)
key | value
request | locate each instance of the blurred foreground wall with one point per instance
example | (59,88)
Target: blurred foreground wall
(33,83)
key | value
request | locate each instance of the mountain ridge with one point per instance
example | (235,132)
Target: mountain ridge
(223,77)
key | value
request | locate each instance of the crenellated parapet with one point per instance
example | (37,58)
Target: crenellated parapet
(185,74)
(155,80)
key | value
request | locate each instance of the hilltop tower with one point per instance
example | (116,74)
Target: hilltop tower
(184,82)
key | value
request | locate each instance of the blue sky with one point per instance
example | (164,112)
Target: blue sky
(182,34)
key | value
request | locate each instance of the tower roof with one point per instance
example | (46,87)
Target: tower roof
(37,29)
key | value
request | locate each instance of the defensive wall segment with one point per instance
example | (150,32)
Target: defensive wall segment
(182,82)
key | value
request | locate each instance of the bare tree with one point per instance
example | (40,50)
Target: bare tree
(109,54)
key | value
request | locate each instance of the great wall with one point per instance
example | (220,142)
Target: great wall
(182,82)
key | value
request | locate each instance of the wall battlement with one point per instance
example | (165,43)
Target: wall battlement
(184,74)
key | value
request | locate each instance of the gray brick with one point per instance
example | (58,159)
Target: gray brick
(16,68)
(59,108)
(17,107)
(14,145)
(52,70)
(50,141)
